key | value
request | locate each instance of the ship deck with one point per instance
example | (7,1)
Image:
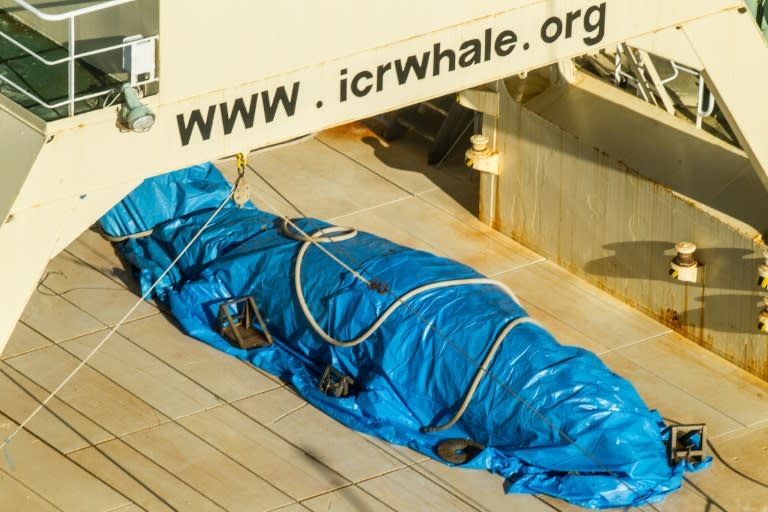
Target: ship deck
(159,421)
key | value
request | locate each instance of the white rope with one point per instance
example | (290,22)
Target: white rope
(481,371)
(115,239)
(344,233)
(319,236)
(339,234)
(114,329)
(482,368)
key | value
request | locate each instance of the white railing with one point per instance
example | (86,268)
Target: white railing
(70,17)
(705,103)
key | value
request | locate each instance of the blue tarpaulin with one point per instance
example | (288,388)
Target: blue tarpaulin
(549,418)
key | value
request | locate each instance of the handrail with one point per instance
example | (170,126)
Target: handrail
(54,106)
(70,17)
(70,14)
(32,53)
(62,60)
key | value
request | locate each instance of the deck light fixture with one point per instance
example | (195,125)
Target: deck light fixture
(134,115)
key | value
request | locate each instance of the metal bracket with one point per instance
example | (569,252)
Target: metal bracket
(242,192)
(380,287)
(687,442)
(335,383)
(238,328)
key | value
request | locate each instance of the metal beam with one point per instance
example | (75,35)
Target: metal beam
(735,67)
(661,90)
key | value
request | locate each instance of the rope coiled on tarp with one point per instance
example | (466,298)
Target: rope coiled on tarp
(334,234)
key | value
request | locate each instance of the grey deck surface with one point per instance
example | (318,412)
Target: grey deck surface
(159,421)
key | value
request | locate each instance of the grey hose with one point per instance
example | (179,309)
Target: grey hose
(338,234)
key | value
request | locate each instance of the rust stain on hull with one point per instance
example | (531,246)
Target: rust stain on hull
(671,318)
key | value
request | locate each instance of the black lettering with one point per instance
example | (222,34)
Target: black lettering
(281,98)
(196,119)
(411,63)
(238,110)
(438,57)
(487,45)
(505,43)
(383,68)
(343,86)
(367,75)
(548,37)
(598,25)
(569,19)
(472,55)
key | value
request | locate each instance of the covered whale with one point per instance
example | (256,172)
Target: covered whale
(413,348)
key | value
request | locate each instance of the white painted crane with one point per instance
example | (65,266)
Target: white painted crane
(242,75)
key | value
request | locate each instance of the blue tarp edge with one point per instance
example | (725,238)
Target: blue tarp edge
(554,419)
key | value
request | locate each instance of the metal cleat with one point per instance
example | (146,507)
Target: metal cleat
(335,383)
(687,442)
(238,328)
